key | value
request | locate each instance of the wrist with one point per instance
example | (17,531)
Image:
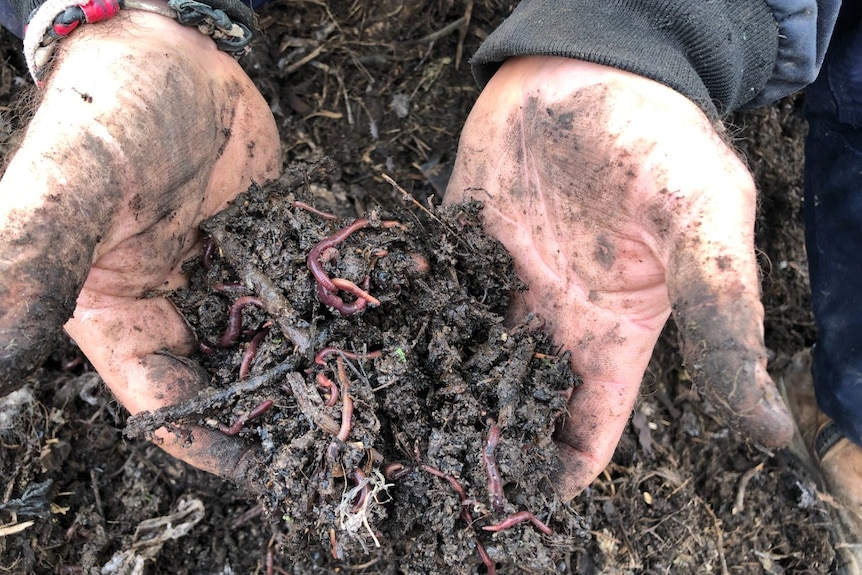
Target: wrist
(56,20)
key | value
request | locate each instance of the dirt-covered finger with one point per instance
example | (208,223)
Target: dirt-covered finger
(714,291)
(46,246)
(159,379)
(722,344)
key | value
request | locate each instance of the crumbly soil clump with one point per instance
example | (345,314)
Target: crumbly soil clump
(443,416)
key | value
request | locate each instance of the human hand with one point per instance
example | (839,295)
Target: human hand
(144,129)
(621,204)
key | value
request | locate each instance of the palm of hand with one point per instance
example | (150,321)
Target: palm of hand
(134,143)
(620,203)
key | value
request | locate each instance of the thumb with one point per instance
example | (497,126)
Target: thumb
(713,286)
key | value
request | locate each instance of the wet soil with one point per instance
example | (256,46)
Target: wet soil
(381,89)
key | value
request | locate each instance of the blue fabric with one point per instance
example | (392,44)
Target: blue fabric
(833,221)
(804,29)
(9,20)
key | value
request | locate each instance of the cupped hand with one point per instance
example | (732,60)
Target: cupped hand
(621,205)
(144,129)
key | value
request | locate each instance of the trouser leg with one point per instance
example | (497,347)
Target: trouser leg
(833,218)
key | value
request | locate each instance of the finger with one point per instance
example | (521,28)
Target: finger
(47,240)
(170,380)
(714,288)
(138,347)
(96,189)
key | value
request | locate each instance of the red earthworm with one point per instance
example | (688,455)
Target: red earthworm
(395,471)
(350,287)
(313,260)
(346,403)
(234,322)
(333,545)
(520,517)
(242,419)
(326,286)
(495,483)
(486,559)
(251,351)
(207,254)
(205,348)
(327,383)
(309,208)
(320,357)
(465,513)
(332,300)
(359,478)
(73,363)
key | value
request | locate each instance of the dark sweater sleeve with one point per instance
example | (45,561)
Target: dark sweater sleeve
(723,54)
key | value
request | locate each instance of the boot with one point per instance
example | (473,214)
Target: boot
(833,460)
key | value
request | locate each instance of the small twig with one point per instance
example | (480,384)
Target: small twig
(252,513)
(462,34)
(739,502)
(436,35)
(145,423)
(315,415)
(304,60)
(719,536)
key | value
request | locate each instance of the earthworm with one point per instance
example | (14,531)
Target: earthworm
(486,559)
(205,348)
(242,419)
(251,351)
(311,209)
(395,471)
(326,383)
(320,356)
(520,517)
(331,299)
(234,322)
(333,545)
(346,403)
(350,287)
(359,478)
(327,288)
(314,265)
(490,566)
(495,483)
(207,254)
(465,513)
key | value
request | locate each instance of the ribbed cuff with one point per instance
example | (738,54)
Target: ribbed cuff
(719,54)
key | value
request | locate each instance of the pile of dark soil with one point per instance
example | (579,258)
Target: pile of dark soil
(441,420)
